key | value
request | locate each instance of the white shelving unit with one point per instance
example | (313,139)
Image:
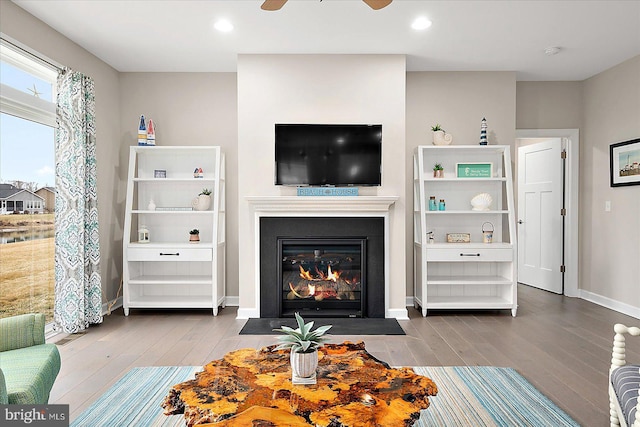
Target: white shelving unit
(472,275)
(168,271)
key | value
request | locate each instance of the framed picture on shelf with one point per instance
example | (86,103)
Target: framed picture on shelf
(159,173)
(624,163)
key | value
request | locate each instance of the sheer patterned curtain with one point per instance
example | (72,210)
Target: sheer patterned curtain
(78,291)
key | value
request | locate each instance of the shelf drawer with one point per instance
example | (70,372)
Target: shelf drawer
(470,255)
(170,254)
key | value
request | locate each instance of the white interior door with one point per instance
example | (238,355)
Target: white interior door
(540,223)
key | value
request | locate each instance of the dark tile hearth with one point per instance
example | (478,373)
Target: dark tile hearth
(341,326)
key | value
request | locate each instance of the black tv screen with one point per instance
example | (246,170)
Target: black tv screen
(328,154)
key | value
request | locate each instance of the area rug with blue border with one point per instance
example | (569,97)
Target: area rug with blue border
(467,396)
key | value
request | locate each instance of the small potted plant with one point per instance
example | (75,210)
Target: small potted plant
(194,236)
(440,137)
(438,171)
(203,201)
(303,344)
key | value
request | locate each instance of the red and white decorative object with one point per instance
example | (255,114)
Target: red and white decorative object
(151,133)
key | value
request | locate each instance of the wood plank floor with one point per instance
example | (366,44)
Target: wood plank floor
(561,345)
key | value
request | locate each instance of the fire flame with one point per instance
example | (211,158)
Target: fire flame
(317,290)
(331,275)
(305,274)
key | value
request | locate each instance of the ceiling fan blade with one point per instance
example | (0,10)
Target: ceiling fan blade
(272,4)
(377,4)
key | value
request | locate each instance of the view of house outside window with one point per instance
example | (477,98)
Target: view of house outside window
(27,185)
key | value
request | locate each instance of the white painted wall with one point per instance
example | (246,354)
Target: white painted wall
(319,89)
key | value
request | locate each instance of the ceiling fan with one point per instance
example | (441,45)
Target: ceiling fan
(277,4)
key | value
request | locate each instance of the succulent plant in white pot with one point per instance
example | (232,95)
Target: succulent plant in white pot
(203,201)
(303,344)
(440,137)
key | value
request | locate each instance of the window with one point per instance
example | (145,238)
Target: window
(27,163)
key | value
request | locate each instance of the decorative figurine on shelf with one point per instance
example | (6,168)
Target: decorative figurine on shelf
(197,173)
(483,132)
(151,133)
(143,234)
(152,205)
(431,237)
(194,236)
(481,202)
(440,137)
(142,132)
(203,201)
(487,234)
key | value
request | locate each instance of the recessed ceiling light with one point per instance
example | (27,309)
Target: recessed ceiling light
(421,23)
(552,50)
(223,26)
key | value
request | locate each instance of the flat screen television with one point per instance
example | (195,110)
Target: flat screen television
(328,154)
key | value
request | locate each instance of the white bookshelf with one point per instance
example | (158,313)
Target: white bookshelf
(168,271)
(460,276)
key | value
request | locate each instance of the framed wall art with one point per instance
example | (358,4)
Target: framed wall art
(624,163)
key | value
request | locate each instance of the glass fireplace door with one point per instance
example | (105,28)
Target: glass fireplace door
(322,277)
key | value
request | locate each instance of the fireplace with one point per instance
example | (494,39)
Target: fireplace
(322,276)
(322,267)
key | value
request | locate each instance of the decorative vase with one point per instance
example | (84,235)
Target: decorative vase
(442,138)
(304,365)
(201,203)
(194,238)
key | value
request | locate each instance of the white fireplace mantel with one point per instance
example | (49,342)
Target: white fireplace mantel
(309,206)
(358,206)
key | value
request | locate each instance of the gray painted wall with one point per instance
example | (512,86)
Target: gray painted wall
(606,109)
(188,109)
(458,101)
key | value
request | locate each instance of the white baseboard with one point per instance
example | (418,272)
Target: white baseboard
(246,313)
(232,301)
(398,313)
(612,304)
(409,301)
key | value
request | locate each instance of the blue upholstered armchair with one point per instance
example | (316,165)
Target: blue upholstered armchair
(28,366)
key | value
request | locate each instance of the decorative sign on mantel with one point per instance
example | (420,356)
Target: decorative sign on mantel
(327,191)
